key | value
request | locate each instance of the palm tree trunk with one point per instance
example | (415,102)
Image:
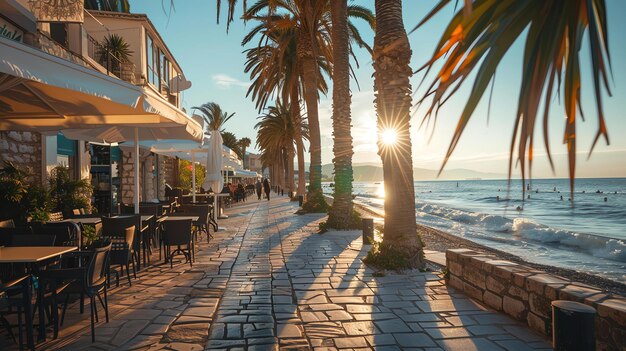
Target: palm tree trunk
(341,212)
(297,122)
(310,71)
(392,55)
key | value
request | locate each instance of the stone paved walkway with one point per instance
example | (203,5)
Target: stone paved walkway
(269,282)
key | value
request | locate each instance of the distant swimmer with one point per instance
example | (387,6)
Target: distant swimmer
(606,199)
(528,196)
(598,192)
(554,189)
(498,198)
(528,186)
(498,190)
(537,191)
(519,208)
(561,197)
(584,191)
(615,192)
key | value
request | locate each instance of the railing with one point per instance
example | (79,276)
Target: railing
(113,65)
(48,45)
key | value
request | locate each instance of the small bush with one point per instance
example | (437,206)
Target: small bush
(385,256)
(323,227)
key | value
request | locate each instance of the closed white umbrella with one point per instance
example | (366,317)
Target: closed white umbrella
(214,179)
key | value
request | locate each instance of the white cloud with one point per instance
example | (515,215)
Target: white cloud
(224,81)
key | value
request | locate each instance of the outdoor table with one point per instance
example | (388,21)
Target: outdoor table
(34,255)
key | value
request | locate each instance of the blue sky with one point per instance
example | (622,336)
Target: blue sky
(213,61)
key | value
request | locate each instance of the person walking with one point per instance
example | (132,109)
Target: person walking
(267,188)
(259,188)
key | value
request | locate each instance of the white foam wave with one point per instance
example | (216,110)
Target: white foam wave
(526,229)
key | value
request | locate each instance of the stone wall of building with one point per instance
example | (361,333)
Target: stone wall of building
(526,294)
(24,150)
(128,175)
(167,173)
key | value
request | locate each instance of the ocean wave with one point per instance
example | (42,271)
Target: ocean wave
(526,229)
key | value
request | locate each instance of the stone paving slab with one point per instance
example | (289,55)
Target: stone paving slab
(270,282)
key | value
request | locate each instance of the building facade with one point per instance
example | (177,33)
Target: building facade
(81,39)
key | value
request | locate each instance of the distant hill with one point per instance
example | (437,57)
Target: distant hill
(367,172)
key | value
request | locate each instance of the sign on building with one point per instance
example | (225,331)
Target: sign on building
(58,10)
(9,31)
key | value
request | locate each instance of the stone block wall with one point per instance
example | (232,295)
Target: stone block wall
(167,169)
(128,177)
(526,294)
(24,150)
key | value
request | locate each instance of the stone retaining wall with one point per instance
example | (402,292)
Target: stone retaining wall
(526,294)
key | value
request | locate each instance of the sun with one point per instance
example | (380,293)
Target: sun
(389,136)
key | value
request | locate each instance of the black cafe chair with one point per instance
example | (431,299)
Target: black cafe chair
(89,280)
(177,232)
(17,294)
(33,240)
(121,253)
(114,228)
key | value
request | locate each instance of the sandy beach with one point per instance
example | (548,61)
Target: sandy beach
(440,241)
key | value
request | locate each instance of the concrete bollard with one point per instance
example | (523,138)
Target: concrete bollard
(368,231)
(573,326)
(300,200)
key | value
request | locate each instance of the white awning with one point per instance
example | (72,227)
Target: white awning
(42,92)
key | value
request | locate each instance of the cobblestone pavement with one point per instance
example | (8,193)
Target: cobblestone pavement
(269,281)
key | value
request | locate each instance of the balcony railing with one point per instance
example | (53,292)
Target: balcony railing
(48,45)
(113,65)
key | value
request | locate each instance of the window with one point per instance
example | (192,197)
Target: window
(152,62)
(165,71)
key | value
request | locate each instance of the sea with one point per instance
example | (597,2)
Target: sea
(545,226)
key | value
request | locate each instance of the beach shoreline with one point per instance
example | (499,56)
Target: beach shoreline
(438,240)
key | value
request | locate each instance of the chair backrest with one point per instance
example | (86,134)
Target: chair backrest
(116,226)
(76,211)
(33,240)
(177,231)
(7,224)
(6,234)
(127,209)
(98,266)
(66,232)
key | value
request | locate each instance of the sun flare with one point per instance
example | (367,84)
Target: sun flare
(389,136)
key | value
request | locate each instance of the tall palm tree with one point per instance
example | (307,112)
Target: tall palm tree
(213,116)
(230,141)
(276,71)
(340,215)
(310,21)
(108,5)
(478,37)
(392,55)
(243,144)
(276,134)
(307,18)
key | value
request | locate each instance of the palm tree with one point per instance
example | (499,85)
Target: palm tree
(310,22)
(276,137)
(340,215)
(392,55)
(108,5)
(243,144)
(230,141)
(115,52)
(275,70)
(480,35)
(213,116)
